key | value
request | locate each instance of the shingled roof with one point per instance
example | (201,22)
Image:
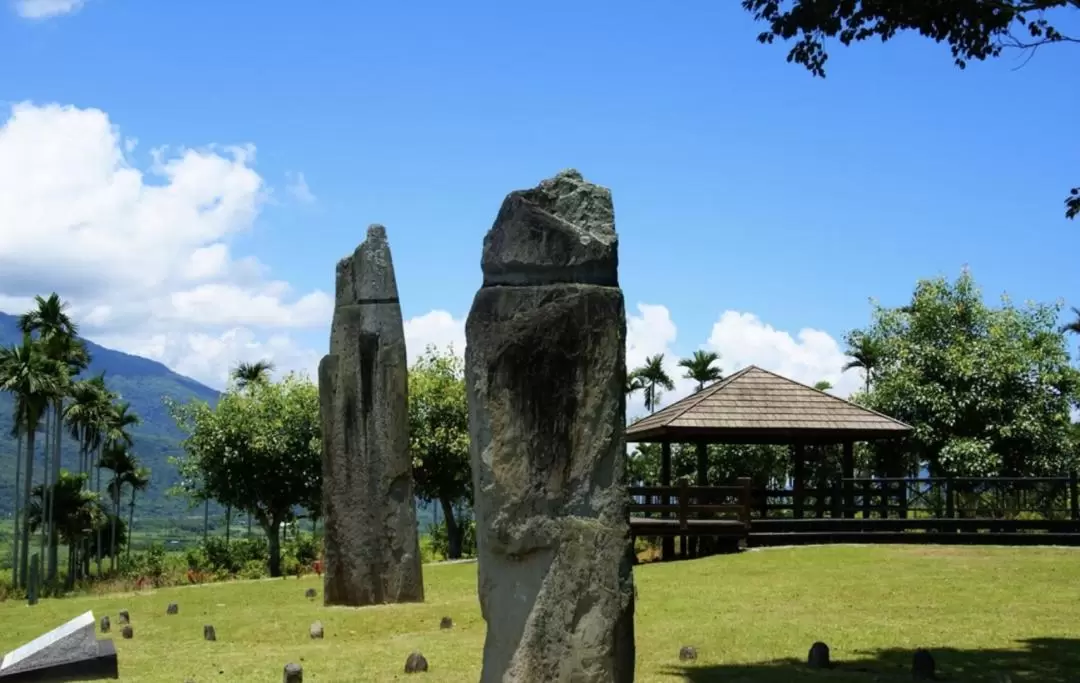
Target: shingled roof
(758,406)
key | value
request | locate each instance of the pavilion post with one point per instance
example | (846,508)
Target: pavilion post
(847,465)
(667,548)
(698,543)
(799,467)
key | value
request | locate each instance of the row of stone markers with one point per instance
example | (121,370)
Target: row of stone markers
(545,366)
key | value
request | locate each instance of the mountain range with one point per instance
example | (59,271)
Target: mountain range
(144,384)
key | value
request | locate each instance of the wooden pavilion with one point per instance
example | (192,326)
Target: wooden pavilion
(755,406)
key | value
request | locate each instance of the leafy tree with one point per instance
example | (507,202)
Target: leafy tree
(439,437)
(987,390)
(700,368)
(258,450)
(653,378)
(823,385)
(973,29)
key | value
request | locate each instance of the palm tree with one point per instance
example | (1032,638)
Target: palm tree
(699,368)
(58,335)
(87,418)
(1073,326)
(138,479)
(7,364)
(78,512)
(249,374)
(31,377)
(633,384)
(117,459)
(653,378)
(865,352)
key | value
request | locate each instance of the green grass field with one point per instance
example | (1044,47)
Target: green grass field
(984,612)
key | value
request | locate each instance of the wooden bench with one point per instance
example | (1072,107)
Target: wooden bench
(685,512)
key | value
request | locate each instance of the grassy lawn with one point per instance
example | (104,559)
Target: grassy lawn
(983,612)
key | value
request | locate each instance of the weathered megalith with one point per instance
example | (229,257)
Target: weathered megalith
(371,546)
(545,363)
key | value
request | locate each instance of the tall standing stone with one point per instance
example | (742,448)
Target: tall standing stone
(545,363)
(371,545)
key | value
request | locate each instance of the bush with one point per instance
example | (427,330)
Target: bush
(215,556)
(154,565)
(440,542)
(254,569)
(303,550)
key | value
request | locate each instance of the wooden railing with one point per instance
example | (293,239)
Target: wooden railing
(686,504)
(1050,498)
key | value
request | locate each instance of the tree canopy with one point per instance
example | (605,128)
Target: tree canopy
(973,29)
(439,436)
(987,390)
(258,450)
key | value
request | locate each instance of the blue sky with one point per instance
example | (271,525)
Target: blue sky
(740,182)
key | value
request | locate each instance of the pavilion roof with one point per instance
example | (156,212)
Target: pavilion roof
(757,406)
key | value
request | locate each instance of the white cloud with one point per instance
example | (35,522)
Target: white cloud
(810,356)
(648,333)
(210,358)
(435,328)
(297,188)
(45,9)
(143,255)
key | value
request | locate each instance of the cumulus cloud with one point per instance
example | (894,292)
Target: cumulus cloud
(808,356)
(143,254)
(435,328)
(45,9)
(296,187)
(652,331)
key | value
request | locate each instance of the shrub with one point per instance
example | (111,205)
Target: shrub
(254,569)
(440,542)
(216,557)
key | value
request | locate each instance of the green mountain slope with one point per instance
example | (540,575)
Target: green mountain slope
(142,382)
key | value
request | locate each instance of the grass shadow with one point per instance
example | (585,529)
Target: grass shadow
(1045,660)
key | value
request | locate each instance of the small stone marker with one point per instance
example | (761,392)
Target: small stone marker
(105,624)
(68,652)
(310,593)
(125,618)
(446,623)
(35,580)
(173,608)
(316,630)
(208,633)
(415,664)
(819,656)
(294,673)
(687,654)
(128,632)
(923,667)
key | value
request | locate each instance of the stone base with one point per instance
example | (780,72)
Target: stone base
(104,665)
